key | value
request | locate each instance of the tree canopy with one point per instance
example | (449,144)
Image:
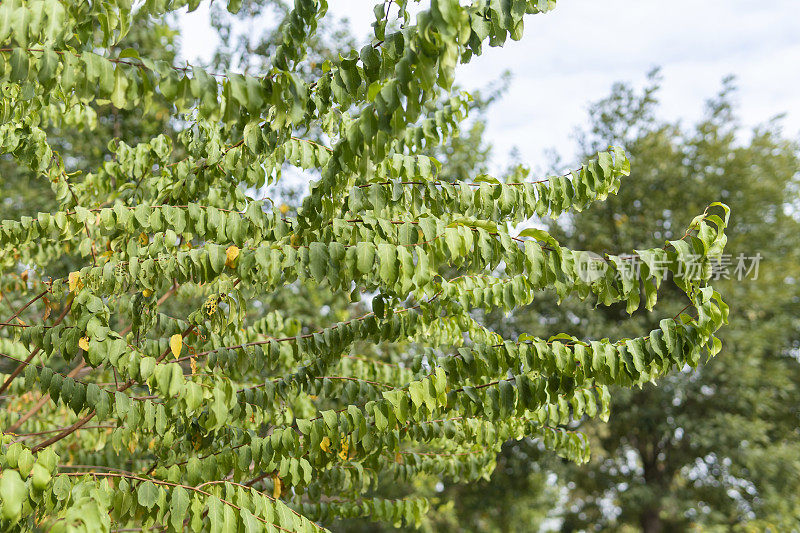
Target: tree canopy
(714,449)
(158,382)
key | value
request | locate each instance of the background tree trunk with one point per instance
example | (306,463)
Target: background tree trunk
(650,520)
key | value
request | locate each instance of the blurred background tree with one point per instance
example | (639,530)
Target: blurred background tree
(717,449)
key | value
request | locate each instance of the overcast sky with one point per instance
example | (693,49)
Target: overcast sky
(572,56)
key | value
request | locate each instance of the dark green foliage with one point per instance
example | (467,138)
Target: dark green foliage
(717,447)
(210,361)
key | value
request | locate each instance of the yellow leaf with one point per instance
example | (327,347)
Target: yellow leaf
(284,209)
(230,256)
(75,281)
(276,491)
(175,344)
(193,365)
(147,293)
(144,240)
(84,343)
(47,307)
(210,305)
(325,444)
(345,449)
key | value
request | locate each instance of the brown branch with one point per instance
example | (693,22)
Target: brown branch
(21,309)
(77,425)
(23,436)
(167,483)
(32,411)
(71,429)
(19,368)
(43,400)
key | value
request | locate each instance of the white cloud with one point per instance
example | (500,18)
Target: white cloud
(572,56)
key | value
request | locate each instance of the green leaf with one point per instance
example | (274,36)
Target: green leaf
(387,256)
(216,514)
(216,257)
(179,504)
(19,65)
(539,235)
(62,487)
(251,524)
(13,494)
(366,257)
(118,94)
(147,494)
(318,260)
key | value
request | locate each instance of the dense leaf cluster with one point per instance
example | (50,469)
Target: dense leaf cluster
(219,414)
